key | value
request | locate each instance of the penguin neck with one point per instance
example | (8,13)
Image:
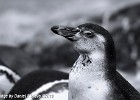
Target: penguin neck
(91,63)
(97,61)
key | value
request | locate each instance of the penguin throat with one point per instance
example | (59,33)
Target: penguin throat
(96,61)
(90,62)
(93,61)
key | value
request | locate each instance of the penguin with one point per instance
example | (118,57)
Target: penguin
(94,76)
(42,84)
(8,78)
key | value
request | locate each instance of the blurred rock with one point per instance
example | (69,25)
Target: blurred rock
(17,60)
(22,21)
(125,25)
(26,24)
(58,55)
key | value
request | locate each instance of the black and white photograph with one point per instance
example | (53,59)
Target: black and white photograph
(69,49)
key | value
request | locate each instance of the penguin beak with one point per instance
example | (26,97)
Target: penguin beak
(67,32)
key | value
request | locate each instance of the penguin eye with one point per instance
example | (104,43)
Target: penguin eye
(89,34)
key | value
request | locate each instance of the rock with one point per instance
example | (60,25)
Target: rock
(17,60)
(125,25)
(58,55)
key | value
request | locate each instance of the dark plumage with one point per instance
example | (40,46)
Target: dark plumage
(34,80)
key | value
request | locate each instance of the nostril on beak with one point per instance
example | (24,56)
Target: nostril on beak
(55,28)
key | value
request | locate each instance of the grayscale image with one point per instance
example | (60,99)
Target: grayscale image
(69,49)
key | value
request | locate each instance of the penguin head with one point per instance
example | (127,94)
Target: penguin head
(86,37)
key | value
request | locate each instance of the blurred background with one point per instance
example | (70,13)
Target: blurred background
(27,43)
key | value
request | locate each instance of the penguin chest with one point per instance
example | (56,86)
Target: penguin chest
(88,89)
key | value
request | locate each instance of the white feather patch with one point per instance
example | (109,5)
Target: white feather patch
(15,76)
(5,84)
(97,55)
(101,38)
